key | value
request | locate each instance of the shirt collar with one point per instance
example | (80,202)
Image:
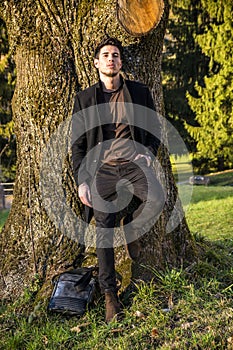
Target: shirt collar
(122,82)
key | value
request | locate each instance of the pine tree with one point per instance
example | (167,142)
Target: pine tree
(183,63)
(213,106)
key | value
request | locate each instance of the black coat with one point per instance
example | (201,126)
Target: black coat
(89,115)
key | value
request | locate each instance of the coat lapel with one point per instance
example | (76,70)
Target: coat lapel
(129,108)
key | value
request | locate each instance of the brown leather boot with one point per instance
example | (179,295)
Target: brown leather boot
(112,305)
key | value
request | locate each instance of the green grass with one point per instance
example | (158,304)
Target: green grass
(210,212)
(224,178)
(209,209)
(3,217)
(181,309)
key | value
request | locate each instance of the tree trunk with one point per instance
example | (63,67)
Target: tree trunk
(53,42)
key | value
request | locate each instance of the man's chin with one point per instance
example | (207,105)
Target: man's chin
(111,74)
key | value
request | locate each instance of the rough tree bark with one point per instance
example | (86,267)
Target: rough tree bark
(52,42)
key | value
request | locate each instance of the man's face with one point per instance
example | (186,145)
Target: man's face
(109,61)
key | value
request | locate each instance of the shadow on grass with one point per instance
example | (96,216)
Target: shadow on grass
(215,261)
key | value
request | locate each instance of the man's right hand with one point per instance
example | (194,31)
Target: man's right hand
(85,194)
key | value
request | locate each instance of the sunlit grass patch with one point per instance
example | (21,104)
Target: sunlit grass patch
(211,212)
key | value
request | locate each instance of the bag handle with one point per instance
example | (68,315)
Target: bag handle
(81,257)
(85,279)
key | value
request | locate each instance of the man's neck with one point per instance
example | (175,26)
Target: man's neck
(110,83)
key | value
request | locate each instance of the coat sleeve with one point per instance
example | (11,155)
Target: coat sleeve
(153,138)
(79,143)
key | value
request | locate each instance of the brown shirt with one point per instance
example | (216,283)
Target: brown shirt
(118,146)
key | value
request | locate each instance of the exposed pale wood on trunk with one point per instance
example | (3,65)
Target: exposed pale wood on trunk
(139,17)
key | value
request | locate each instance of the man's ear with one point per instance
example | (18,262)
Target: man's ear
(96,62)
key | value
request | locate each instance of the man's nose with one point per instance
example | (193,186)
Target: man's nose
(111,58)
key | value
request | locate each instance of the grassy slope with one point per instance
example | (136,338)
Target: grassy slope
(211,212)
(184,309)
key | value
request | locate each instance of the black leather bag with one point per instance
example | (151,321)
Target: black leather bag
(73,291)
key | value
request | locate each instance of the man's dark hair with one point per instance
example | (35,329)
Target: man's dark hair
(108,41)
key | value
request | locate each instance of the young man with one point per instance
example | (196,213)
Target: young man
(113,152)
